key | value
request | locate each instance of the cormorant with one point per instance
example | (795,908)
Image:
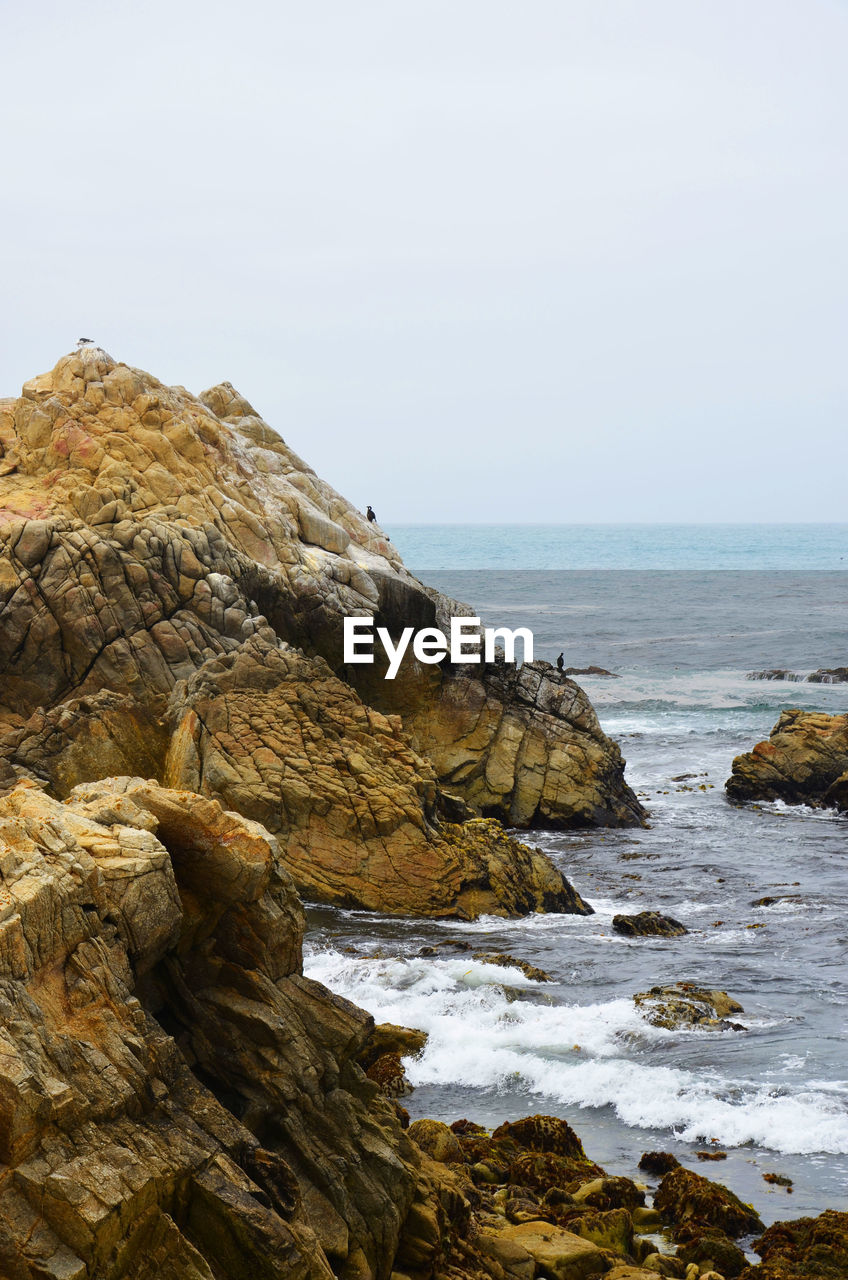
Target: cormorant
(370,514)
(560,662)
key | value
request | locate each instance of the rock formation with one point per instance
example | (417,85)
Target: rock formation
(173,581)
(648,924)
(804,761)
(683,1005)
(176,1100)
(132,1150)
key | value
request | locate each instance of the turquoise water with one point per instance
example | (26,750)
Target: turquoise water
(622,546)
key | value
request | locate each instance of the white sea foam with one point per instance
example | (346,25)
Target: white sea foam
(575,1055)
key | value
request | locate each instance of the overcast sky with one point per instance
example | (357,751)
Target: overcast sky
(531,260)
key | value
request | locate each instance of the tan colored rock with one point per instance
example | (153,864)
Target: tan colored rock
(685,1004)
(436,1139)
(805,757)
(271,732)
(146,534)
(557,1252)
(127,903)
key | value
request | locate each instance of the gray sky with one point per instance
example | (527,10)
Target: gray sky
(475,260)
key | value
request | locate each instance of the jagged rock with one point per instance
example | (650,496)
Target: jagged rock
(683,1004)
(146,532)
(648,924)
(545,1134)
(503,960)
(658,1162)
(683,1197)
(274,733)
(389,1075)
(387,1037)
(804,761)
(129,907)
(804,1249)
(521,744)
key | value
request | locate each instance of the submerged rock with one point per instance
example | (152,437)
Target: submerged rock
(804,761)
(832,675)
(648,924)
(683,1005)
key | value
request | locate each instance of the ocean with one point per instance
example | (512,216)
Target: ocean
(680,624)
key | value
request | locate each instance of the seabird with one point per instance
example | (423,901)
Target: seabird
(84,342)
(560,662)
(370,514)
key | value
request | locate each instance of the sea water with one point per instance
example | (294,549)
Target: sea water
(681,643)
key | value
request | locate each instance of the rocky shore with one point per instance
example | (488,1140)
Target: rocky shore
(183,754)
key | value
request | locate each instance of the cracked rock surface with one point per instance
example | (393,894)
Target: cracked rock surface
(804,761)
(173,580)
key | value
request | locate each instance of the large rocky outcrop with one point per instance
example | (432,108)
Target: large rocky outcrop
(130,912)
(804,761)
(162,551)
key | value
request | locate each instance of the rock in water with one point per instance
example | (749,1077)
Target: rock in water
(165,556)
(807,1247)
(683,1004)
(648,924)
(804,761)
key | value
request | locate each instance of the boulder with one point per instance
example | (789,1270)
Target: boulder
(648,924)
(803,762)
(436,1139)
(803,1249)
(558,1253)
(682,1005)
(684,1196)
(658,1162)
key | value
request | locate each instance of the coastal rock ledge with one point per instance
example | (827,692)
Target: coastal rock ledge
(173,580)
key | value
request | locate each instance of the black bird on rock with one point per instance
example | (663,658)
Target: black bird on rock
(560,662)
(370,514)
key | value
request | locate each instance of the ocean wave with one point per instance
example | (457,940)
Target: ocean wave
(575,1055)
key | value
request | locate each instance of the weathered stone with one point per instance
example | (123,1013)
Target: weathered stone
(556,1252)
(648,924)
(436,1139)
(804,1249)
(684,1196)
(683,1004)
(147,532)
(804,757)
